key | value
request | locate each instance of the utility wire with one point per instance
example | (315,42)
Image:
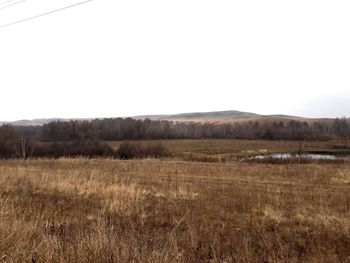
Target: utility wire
(9,2)
(6,2)
(7,6)
(44,14)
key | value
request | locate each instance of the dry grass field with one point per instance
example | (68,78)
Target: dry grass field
(221,150)
(79,210)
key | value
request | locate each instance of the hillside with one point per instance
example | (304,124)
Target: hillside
(202,116)
(37,122)
(213,117)
(217,116)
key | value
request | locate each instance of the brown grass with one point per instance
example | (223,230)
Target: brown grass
(170,211)
(227,150)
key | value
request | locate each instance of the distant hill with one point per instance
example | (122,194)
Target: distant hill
(37,122)
(216,116)
(213,117)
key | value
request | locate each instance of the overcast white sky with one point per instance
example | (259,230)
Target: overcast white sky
(110,58)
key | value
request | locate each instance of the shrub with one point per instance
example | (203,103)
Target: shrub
(133,150)
(74,149)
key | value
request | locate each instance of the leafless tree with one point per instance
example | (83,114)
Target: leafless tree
(24,148)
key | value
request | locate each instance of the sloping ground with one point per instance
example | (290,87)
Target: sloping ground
(40,122)
(35,122)
(212,117)
(166,211)
(202,116)
(225,116)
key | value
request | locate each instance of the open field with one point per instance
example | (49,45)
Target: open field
(231,149)
(82,210)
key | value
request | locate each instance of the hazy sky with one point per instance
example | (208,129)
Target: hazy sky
(111,58)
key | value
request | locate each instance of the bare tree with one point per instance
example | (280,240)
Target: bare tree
(24,148)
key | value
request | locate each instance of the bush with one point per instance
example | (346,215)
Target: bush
(133,150)
(8,140)
(6,149)
(74,149)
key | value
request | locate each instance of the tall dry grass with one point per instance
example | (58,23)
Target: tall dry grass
(167,211)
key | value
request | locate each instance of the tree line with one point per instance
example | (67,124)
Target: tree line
(131,129)
(66,138)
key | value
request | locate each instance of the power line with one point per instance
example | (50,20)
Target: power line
(44,14)
(5,2)
(4,7)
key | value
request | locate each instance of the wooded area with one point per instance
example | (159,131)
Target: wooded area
(86,138)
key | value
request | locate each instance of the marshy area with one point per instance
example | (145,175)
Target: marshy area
(202,201)
(229,150)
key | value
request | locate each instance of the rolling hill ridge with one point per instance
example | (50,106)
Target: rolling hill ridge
(212,117)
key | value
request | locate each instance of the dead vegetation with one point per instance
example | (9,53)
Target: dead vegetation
(167,211)
(223,150)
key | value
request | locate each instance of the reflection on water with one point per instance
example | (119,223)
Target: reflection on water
(304,155)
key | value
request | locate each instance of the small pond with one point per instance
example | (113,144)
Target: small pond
(312,156)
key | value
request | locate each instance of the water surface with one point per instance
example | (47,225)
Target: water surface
(312,156)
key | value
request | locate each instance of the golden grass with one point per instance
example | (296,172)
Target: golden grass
(219,150)
(170,211)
